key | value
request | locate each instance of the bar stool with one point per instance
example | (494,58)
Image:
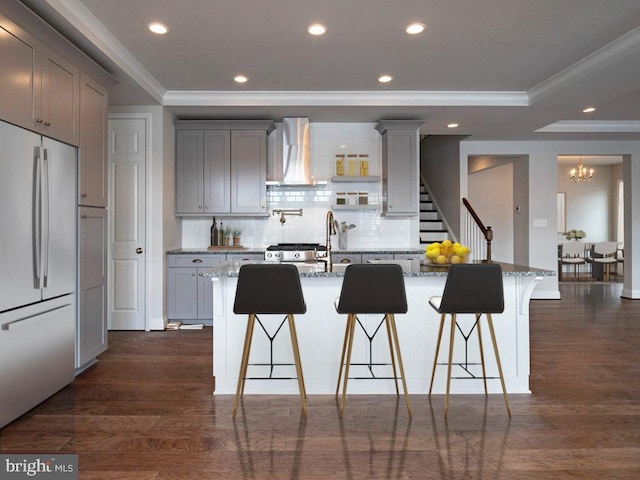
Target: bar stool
(269,289)
(372,289)
(477,289)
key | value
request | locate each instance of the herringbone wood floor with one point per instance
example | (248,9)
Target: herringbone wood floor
(146,412)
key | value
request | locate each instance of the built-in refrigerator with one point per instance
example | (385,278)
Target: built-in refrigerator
(37,268)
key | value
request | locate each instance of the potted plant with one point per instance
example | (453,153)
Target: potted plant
(575,235)
(227,236)
(235,233)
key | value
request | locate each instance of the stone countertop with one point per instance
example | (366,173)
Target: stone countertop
(218,251)
(411,269)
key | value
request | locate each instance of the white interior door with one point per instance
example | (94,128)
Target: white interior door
(127,158)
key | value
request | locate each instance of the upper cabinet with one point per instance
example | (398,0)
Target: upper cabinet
(19,73)
(93,170)
(40,89)
(221,167)
(57,114)
(400,167)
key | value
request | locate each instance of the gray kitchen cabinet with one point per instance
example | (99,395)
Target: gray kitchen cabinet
(366,257)
(91,332)
(47,97)
(346,258)
(92,160)
(241,258)
(221,168)
(189,294)
(400,167)
(19,57)
(409,256)
(202,172)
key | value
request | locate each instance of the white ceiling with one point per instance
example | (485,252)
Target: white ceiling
(502,69)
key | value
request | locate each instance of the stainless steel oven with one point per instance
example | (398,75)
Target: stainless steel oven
(294,252)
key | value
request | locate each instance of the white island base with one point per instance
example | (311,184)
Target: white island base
(321,332)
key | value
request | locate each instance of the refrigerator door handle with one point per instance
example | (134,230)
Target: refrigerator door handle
(45,217)
(37,220)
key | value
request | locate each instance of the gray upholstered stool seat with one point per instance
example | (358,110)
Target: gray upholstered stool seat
(269,289)
(372,289)
(475,289)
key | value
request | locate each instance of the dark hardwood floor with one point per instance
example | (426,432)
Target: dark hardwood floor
(146,412)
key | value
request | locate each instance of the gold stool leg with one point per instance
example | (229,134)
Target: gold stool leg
(344,351)
(495,349)
(387,322)
(351,320)
(392,320)
(453,331)
(244,362)
(435,358)
(484,371)
(296,356)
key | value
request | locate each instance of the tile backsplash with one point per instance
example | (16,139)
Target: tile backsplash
(326,140)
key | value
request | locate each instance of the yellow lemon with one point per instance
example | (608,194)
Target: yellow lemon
(441,259)
(456,259)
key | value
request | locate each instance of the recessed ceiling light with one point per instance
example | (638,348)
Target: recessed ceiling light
(240,79)
(385,78)
(589,110)
(415,28)
(316,29)
(452,125)
(158,28)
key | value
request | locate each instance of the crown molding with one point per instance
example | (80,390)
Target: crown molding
(81,18)
(345,98)
(586,126)
(628,44)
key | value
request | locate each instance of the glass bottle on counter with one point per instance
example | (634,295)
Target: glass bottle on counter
(221,235)
(214,234)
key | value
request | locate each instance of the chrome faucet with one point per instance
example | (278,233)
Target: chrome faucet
(331,230)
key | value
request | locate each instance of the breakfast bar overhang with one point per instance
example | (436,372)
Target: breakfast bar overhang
(321,331)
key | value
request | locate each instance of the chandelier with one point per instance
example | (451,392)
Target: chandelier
(580,175)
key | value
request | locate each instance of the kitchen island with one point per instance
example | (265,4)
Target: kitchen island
(321,333)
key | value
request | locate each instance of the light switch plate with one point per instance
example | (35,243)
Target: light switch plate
(540,222)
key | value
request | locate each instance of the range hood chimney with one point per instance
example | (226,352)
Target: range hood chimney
(295,153)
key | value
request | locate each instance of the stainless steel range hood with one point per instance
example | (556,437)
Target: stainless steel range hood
(295,154)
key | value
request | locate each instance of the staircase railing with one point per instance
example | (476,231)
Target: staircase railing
(478,236)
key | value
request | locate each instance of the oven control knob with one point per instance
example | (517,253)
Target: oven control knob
(296,255)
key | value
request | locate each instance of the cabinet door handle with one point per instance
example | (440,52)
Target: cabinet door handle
(48,124)
(84,195)
(200,207)
(139,250)
(193,274)
(200,274)
(196,260)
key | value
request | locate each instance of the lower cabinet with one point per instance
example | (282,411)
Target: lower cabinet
(367,257)
(189,293)
(91,333)
(346,258)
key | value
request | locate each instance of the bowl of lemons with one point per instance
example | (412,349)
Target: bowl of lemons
(446,253)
